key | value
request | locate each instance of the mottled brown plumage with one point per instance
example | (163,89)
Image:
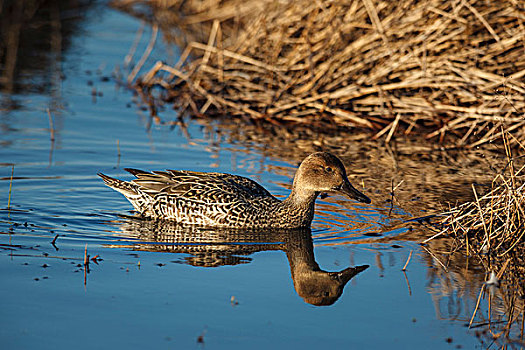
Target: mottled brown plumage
(224,200)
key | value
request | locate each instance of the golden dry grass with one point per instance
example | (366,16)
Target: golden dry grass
(444,68)
(493,224)
(491,229)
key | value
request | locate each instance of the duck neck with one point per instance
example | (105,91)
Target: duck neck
(301,203)
(300,253)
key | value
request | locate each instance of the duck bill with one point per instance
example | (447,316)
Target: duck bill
(351,192)
(347,274)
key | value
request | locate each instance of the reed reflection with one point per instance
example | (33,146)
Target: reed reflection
(217,247)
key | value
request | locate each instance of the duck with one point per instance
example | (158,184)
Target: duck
(233,201)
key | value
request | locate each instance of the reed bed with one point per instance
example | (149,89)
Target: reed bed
(441,68)
(491,228)
(493,224)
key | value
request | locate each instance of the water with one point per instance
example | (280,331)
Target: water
(159,287)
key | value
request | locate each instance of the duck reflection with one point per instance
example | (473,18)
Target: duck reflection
(219,247)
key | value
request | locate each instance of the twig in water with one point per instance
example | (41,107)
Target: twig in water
(86,256)
(54,241)
(477,306)
(86,264)
(10,186)
(118,153)
(392,196)
(435,258)
(200,338)
(408,283)
(408,260)
(51,126)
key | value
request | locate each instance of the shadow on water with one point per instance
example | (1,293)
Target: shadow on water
(34,37)
(208,247)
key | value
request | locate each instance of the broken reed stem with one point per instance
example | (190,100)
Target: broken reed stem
(434,236)
(435,258)
(391,197)
(477,306)
(86,265)
(86,260)
(408,283)
(118,153)
(131,52)
(392,194)
(51,126)
(10,187)
(146,53)
(482,217)
(53,242)
(393,128)
(408,260)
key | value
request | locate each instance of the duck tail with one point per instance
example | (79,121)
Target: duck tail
(131,191)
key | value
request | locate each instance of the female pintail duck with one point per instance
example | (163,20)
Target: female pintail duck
(224,200)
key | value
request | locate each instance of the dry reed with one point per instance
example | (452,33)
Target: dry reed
(494,223)
(491,228)
(439,67)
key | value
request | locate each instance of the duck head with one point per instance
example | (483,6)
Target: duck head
(324,172)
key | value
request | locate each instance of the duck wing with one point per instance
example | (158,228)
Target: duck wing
(198,186)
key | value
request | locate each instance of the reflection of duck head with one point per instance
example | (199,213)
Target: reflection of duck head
(315,286)
(216,247)
(322,287)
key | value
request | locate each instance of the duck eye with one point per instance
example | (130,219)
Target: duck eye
(328,169)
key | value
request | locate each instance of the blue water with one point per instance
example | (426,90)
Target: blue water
(205,290)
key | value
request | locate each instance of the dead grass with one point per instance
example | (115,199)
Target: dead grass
(491,229)
(493,224)
(444,68)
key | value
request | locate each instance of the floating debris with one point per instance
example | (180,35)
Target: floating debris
(200,338)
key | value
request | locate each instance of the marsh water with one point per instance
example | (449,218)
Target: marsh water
(66,114)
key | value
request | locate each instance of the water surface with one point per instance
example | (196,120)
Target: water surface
(156,286)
